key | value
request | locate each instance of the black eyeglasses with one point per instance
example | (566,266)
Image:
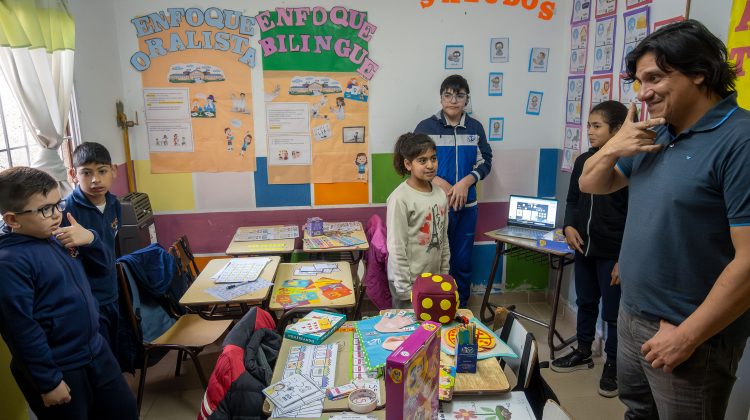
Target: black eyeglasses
(48,210)
(450,97)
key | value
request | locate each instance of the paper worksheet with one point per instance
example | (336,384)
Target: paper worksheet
(239,270)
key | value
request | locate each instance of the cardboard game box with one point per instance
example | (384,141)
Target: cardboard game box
(412,373)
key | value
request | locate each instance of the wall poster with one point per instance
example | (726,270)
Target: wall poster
(195,66)
(317,71)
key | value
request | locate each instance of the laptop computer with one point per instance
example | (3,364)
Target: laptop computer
(530,217)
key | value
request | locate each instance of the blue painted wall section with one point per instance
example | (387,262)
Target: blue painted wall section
(278,195)
(481,261)
(548,167)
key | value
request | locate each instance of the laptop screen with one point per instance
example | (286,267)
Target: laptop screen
(532,212)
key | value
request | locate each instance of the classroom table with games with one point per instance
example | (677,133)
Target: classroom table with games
(489,379)
(311,285)
(528,249)
(282,246)
(342,241)
(198,299)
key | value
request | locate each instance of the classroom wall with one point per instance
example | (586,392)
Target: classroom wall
(408,45)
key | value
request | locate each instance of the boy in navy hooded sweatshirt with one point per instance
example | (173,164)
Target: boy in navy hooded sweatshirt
(48,316)
(95,207)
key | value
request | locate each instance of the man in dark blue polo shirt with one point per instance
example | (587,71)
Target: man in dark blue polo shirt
(685,259)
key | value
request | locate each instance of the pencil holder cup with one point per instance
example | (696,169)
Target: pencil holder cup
(435,297)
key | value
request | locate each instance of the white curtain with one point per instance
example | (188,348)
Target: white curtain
(37,39)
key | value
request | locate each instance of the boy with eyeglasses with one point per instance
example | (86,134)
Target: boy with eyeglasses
(94,206)
(48,316)
(465,158)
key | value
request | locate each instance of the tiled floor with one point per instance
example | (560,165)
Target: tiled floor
(168,397)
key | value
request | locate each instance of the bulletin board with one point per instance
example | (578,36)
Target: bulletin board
(316,90)
(197,94)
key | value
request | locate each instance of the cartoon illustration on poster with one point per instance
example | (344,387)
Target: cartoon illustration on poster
(604,45)
(581,11)
(499,48)
(579,42)
(601,89)
(574,100)
(636,28)
(209,65)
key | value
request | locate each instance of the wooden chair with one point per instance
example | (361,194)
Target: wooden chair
(189,334)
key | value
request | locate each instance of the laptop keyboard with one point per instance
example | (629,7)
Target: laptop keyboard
(523,232)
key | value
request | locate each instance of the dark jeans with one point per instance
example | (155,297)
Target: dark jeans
(461,228)
(109,315)
(699,388)
(97,391)
(592,278)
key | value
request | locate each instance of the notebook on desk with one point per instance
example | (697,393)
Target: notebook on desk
(530,217)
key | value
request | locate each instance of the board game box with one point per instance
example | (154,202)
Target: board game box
(412,374)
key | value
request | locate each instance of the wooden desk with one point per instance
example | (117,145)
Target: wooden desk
(557,260)
(197,298)
(286,272)
(489,378)
(357,234)
(269,247)
(344,339)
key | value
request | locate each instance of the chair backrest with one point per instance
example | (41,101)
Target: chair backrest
(524,345)
(553,411)
(183,240)
(184,266)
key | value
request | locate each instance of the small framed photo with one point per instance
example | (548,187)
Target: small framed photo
(497,126)
(353,134)
(538,59)
(534,103)
(499,50)
(495,84)
(454,56)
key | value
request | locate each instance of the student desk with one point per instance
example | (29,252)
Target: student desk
(198,299)
(351,254)
(527,248)
(286,272)
(268,247)
(342,369)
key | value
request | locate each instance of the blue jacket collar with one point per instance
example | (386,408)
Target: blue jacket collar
(715,117)
(440,117)
(80,198)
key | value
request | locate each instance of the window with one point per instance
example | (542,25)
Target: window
(18,147)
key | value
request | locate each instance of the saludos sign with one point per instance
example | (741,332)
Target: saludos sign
(231,31)
(308,36)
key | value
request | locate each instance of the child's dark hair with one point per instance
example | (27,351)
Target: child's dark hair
(455,82)
(90,152)
(408,147)
(613,113)
(358,156)
(18,184)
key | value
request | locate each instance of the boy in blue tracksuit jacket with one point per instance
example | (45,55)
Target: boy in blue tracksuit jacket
(95,207)
(48,316)
(465,158)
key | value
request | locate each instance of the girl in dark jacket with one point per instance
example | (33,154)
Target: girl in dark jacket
(594,226)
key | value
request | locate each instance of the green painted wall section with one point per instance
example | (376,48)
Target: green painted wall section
(526,272)
(384,178)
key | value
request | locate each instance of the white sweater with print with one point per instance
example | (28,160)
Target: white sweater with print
(417,224)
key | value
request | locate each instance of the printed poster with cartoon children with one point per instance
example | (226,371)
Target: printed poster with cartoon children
(318,97)
(213,130)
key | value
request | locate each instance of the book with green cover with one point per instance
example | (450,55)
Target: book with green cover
(315,327)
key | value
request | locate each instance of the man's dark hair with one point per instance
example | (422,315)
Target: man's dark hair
(90,152)
(691,49)
(18,184)
(455,83)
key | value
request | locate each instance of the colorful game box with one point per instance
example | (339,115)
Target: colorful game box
(412,374)
(315,327)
